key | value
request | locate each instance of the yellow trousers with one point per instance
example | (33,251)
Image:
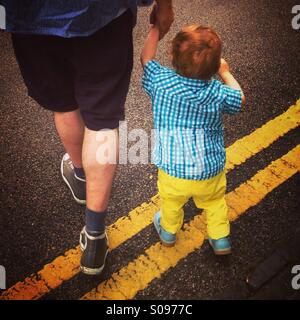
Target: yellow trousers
(207,194)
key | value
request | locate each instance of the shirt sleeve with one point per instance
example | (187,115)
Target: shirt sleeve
(233,100)
(151,70)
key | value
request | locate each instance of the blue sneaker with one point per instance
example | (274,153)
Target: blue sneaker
(168,239)
(221,246)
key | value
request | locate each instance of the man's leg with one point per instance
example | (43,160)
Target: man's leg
(99,175)
(103,64)
(70,129)
(100,154)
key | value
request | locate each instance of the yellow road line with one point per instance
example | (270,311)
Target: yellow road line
(263,137)
(66,266)
(157,259)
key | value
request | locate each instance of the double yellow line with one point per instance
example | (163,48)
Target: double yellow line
(139,273)
(157,259)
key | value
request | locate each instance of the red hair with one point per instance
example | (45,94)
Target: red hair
(196,52)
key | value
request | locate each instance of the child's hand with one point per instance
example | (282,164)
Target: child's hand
(224,67)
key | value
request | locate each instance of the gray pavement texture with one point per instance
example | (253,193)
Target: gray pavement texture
(39,220)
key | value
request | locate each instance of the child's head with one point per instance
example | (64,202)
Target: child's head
(196,52)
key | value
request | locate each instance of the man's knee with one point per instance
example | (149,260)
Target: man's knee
(100,148)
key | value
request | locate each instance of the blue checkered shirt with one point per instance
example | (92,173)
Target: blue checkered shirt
(189,137)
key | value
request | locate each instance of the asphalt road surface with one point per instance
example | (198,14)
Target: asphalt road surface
(39,220)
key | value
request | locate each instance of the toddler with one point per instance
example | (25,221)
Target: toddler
(189,151)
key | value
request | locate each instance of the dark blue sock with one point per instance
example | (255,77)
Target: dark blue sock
(79,172)
(94,221)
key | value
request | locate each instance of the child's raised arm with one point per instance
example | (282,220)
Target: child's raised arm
(229,79)
(150,46)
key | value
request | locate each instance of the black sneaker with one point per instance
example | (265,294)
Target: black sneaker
(75,184)
(95,250)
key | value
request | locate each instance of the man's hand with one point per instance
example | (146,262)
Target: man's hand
(162,15)
(224,67)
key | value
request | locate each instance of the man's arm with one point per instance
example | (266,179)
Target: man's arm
(229,79)
(150,46)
